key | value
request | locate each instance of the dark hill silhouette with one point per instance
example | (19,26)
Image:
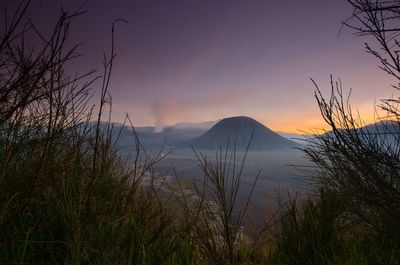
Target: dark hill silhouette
(239,130)
(383,127)
(385,133)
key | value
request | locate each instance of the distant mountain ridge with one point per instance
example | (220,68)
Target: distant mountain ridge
(238,130)
(384,132)
(189,125)
(295,137)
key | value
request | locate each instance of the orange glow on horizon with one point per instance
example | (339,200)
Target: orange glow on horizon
(315,124)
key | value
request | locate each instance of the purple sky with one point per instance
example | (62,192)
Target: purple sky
(200,60)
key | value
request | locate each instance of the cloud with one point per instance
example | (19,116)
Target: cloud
(166,111)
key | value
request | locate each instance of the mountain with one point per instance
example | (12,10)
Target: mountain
(295,137)
(194,125)
(176,135)
(382,127)
(152,140)
(239,130)
(385,132)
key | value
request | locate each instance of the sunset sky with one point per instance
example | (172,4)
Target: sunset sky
(202,60)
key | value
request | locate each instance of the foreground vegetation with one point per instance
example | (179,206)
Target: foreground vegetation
(66,197)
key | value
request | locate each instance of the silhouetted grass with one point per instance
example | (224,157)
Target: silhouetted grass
(216,219)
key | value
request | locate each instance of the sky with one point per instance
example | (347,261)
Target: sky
(203,60)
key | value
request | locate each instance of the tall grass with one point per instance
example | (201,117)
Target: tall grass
(217,218)
(66,195)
